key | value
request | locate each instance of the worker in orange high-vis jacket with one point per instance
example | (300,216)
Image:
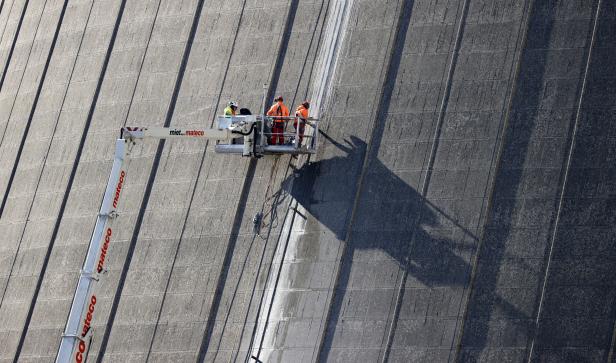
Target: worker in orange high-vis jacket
(301,114)
(278,109)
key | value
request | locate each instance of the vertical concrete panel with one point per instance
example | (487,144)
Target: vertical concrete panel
(576,322)
(9,39)
(18,267)
(442,249)
(511,263)
(5,16)
(19,79)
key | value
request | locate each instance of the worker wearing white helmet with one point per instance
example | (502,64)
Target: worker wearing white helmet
(231,109)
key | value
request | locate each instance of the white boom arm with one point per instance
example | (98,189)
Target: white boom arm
(166,133)
(74,344)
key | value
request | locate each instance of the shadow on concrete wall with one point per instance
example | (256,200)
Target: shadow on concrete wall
(391,227)
(436,261)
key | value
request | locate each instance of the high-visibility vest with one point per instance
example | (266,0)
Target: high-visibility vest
(302,112)
(278,109)
(229,111)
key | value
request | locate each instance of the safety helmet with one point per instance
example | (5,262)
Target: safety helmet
(306,104)
(232,104)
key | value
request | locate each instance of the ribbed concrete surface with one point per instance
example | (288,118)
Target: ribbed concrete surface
(460,208)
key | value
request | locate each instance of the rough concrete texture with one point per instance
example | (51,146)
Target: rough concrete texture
(461,206)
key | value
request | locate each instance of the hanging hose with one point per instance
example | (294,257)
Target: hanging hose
(252,127)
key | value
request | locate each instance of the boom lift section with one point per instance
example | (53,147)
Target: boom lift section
(75,340)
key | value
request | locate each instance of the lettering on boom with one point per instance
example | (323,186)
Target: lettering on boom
(103,254)
(178,132)
(81,348)
(116,198)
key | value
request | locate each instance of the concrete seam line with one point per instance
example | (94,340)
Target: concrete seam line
(289,211)
(231,52)
(226,264)
(12,49)
(7,17)
(177,249)
(309,48)
(263,253)
(611,358)
(285,36)
(563,186)
(522,34)
(152,176)
(374,120)
(141,62)
(278,273)
(19,151)
(274,202)
(25,134)
(249,252)
(41,274)
(428,172)
(2,38)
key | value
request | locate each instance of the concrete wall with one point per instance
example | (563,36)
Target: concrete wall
(460,207)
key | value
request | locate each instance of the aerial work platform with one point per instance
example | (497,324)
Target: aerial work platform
(260,129)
